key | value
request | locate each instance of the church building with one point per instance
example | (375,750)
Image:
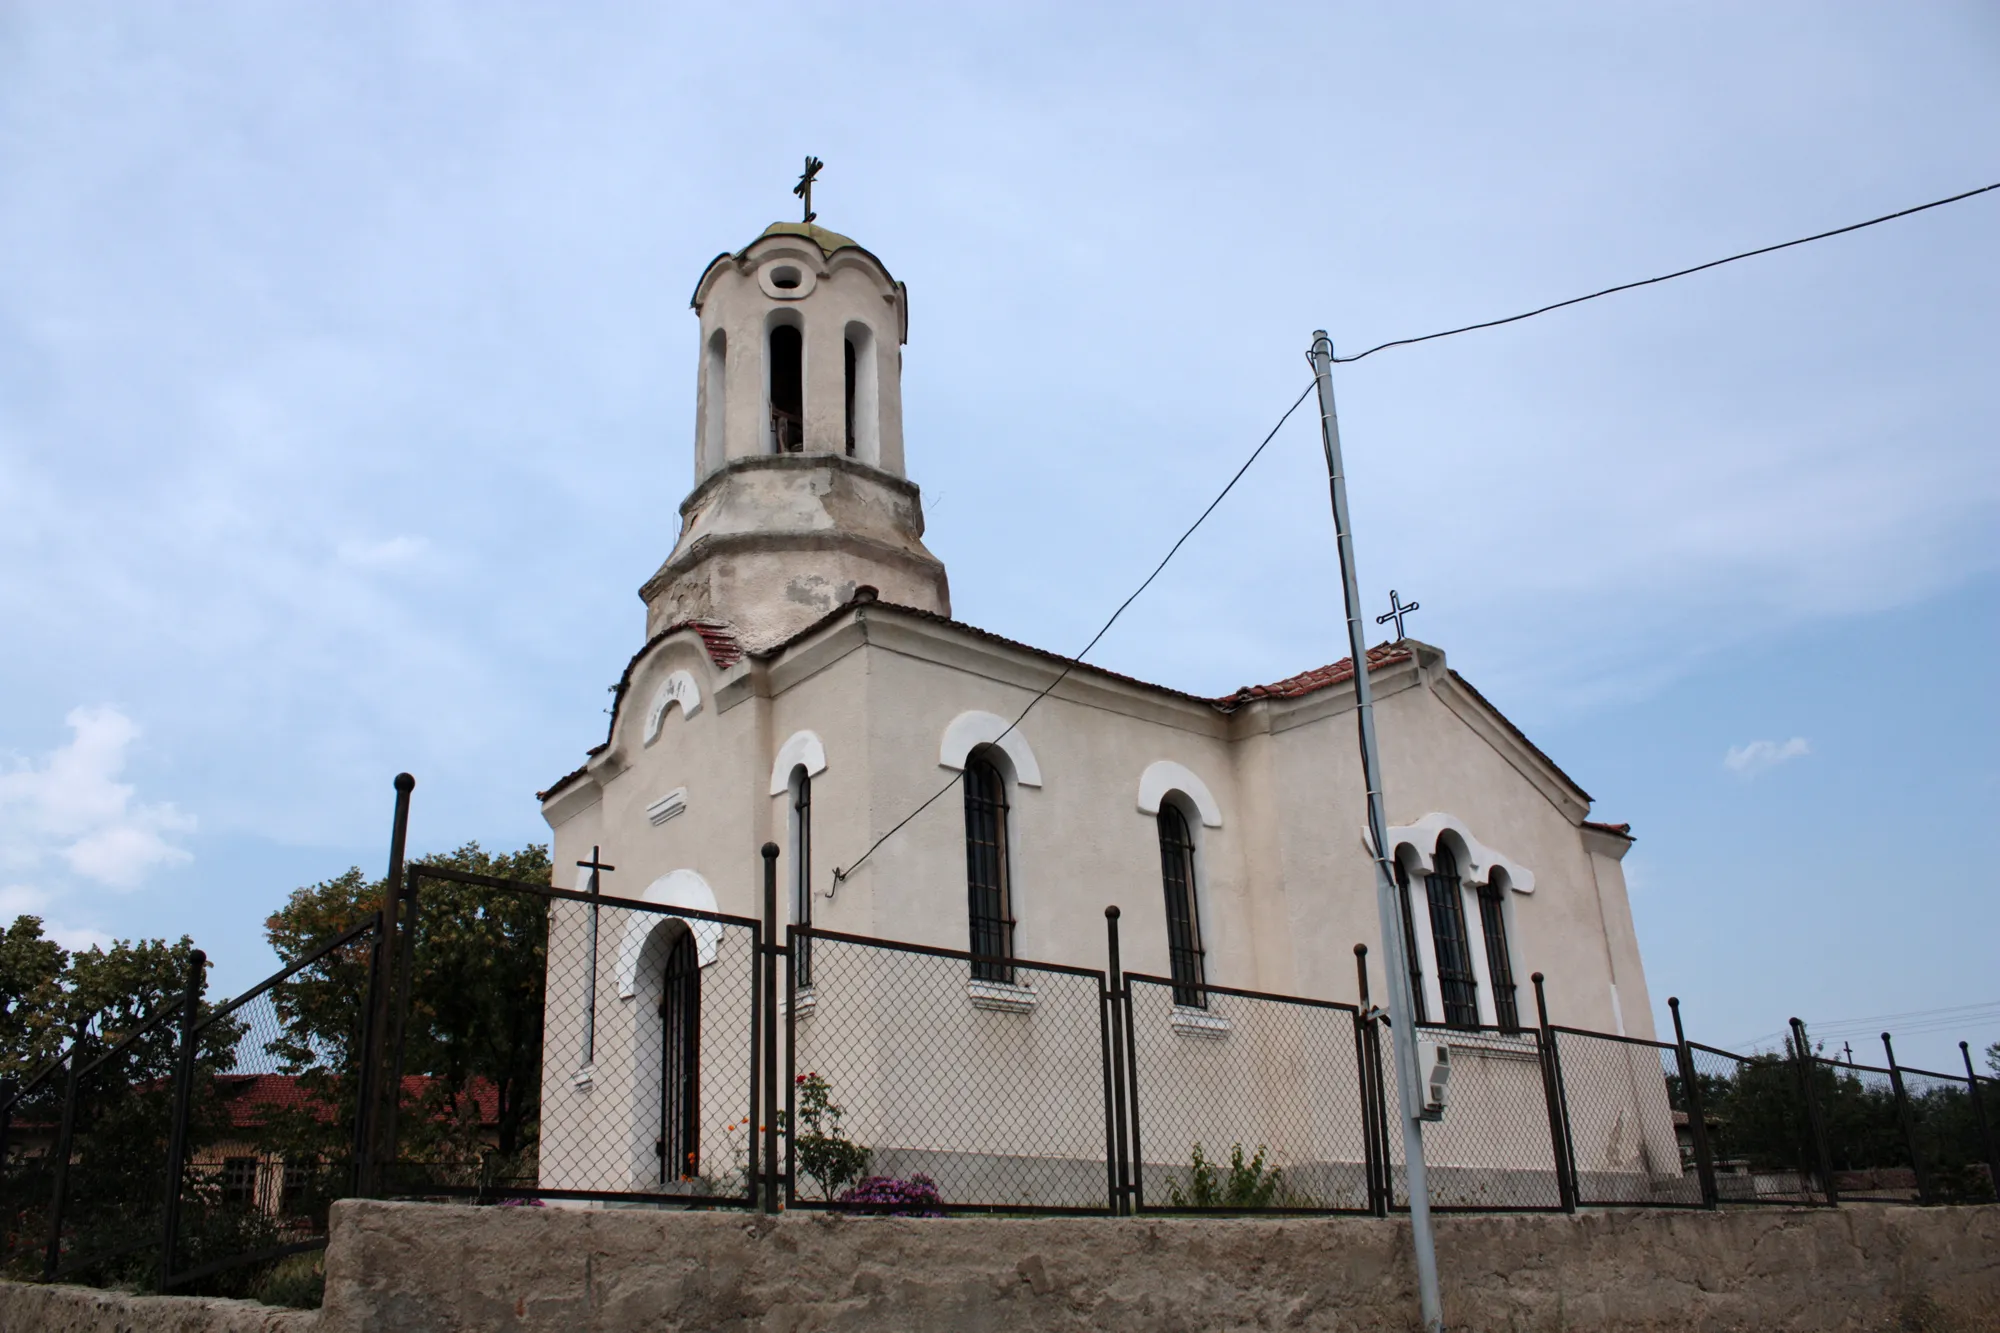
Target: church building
(803,681)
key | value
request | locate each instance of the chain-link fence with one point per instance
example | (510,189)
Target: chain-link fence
(1948,1136)
(1494,1149)
(1620,1115)
(1245,1101)
(989,1083)
(269,1118)
(29,1123)
(1867,1143)
(570,1046)
(1758,1128)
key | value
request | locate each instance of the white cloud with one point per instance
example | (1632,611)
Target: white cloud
(73,807)
(1762,756)
(25,899)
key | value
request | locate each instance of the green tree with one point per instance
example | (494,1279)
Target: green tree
(474,1028)
(31,973)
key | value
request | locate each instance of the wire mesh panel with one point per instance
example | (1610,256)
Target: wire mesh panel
(108,1157)
(1758,1129)
(908,1062)
(1865,1140)
(1243,1100)
(1950,1141)
(645,1055)
(1621,1116)
(272,1099)
(31,1119)
(1492,1150)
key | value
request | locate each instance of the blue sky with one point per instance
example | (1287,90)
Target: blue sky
(346,382)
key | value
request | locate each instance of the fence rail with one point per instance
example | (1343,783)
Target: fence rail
(492,1040)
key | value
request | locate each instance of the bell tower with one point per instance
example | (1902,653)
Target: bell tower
(799,494)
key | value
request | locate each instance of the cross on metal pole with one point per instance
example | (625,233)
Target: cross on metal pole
(804,189)
(595,865)
(1402,1003)
(1396,612)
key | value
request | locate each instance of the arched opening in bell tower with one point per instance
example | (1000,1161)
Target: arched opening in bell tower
(863,396)
(787,354)
(714,395)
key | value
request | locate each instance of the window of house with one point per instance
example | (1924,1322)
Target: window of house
(1499,965)
(788,395)
(239,1182)
(986,870)
(1410,948)
(1456,981)
(1183,926)
(801,874)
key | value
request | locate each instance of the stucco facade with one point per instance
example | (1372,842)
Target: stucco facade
(800,629)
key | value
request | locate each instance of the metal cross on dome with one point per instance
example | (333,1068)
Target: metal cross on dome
(1396,612)
(804,189)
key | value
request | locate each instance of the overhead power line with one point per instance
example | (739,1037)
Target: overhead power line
(1668,277)
(1070,664)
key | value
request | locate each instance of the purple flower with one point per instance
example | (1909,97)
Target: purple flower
(887,1196)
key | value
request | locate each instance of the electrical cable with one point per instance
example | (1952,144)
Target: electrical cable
(1070,664)
(1665,277)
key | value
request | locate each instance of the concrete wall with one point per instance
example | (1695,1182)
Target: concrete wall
(27,1308)
(420,1268)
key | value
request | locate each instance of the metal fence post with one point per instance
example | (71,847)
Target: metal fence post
(59,1186)
(374,1095)
(1368,1062)
(1697,1110)
(1802,1054)
(1978,1113)
(1558,1104)
(772,950)
(796,946)
(1909,1124)
(170,1212)
(1118,1161)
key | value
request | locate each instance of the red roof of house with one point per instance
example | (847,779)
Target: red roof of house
(1319,678)
(250,1099)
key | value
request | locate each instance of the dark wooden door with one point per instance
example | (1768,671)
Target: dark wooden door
(680,1064)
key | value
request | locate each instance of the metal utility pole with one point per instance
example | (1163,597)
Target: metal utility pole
(1395,957)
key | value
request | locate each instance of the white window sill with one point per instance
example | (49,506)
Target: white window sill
(1000,996)
(1490,1045)
(1193,1022)
(807,1002)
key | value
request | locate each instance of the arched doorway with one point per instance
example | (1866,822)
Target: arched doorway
(680,1061)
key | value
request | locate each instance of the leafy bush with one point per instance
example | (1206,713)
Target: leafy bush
(887,1196)
(1240,1184)
(823,1152)
(298,1281)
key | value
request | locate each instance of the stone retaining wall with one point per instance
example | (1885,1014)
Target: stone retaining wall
(25,1308)
(427,1268)
(434,1269)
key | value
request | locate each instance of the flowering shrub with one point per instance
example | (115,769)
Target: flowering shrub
(887,1196)
(824,1153)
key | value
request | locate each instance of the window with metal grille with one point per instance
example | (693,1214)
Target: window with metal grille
(1410,944)
(802,905)
(239,1181)
(1499,965)
(1456,981)
(986,870)
(1183,927)
(850,396)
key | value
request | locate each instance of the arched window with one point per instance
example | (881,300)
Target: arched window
(1499,963)
(1183,927)
(849,358)
(1456,981)
(802,806)
(714,400)
(788,394)
(986,869)
(1410,943)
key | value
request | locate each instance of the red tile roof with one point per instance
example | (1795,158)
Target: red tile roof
(251,1099)
(1319,678)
